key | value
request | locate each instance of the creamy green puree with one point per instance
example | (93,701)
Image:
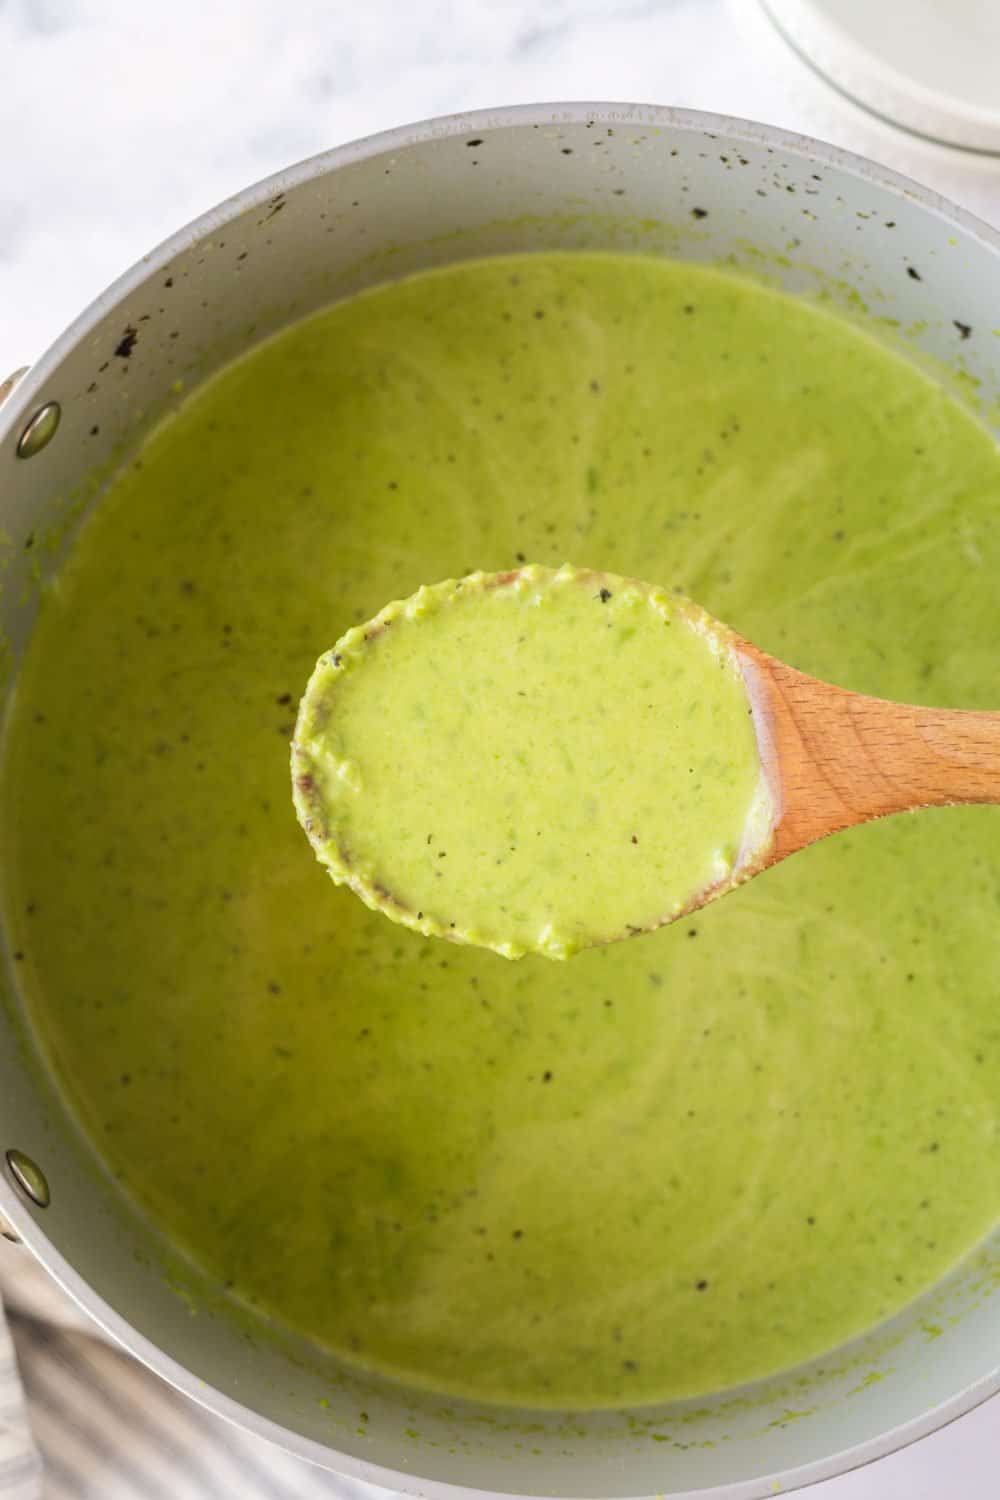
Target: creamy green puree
(676,1162)
(537,760)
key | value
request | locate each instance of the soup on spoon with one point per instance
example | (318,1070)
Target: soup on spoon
(545,760)
(532,761)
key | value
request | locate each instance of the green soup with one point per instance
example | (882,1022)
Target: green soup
(533,761)
(672,1164)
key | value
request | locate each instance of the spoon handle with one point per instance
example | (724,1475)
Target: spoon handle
(835,759)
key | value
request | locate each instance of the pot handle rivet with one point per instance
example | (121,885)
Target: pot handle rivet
(6,386)
(39,430)
(29,1178)
(6,1233)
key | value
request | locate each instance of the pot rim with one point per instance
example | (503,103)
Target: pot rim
(22,398)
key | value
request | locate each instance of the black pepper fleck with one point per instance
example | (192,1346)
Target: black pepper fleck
(126,343)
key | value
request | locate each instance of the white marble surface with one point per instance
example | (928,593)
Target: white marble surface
(120,120)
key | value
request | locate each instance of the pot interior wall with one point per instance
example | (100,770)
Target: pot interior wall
(643,180)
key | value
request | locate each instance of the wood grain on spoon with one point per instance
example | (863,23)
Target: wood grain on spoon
(835,759)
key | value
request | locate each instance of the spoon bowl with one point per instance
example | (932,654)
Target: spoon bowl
(536,760)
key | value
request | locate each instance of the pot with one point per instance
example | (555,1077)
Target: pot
(813,220)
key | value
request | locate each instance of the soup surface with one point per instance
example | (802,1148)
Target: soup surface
(569,759)
(665,1167)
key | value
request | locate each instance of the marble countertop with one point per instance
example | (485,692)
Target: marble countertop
(117,128)
(120,121)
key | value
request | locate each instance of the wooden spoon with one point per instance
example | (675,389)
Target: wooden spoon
(835,759)
(481,659)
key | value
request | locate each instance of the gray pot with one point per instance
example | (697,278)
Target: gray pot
(813,220)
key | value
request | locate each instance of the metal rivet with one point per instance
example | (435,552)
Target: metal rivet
(6,1233)
(29,1178)
(6,386)
(40,430)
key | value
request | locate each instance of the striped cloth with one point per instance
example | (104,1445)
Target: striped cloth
(20,1467)
(86,1422)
